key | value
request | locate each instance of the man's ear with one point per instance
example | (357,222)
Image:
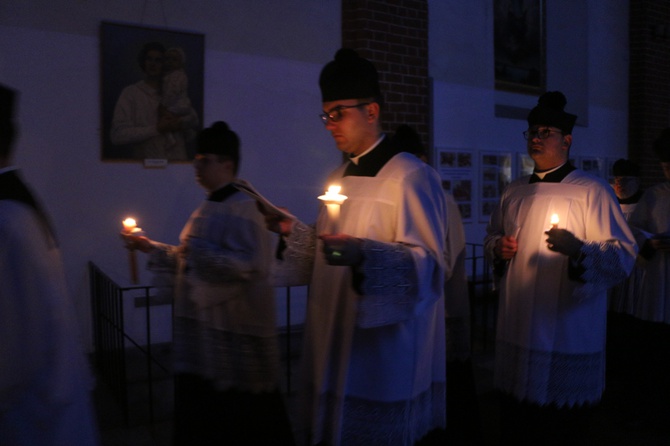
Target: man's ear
(373,111)
(567,141)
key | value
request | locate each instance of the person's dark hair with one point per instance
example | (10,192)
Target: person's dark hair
(625,168)
(219,140)
(7,127)
(661,145)
(406,139)
(149,46)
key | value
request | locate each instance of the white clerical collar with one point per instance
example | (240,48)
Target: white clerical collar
(7,169)
(356,158)
(541,175)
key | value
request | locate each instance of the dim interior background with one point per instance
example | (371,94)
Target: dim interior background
(262,61)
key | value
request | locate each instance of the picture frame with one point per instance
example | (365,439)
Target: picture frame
(150,114)
(455,167)
(495,174)
(594,165)
(520,45)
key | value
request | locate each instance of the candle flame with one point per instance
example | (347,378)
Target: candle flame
(130,226)
(333,195)
(554,219)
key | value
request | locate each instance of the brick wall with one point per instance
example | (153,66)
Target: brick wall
(393,34)
(649,103)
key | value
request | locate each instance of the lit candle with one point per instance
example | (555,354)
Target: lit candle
(554,221)
(333,199)
(130,227)
(129,224)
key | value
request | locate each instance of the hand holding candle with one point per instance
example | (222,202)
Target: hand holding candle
(333,199)
(562,240)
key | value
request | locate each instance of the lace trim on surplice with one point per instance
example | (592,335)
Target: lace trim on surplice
(376,423)
(229,360)
(602,263)
(297,258)
(387,280)
(563,379)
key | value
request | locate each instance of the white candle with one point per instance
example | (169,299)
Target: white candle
(554,221)
(333,199)
(130,227)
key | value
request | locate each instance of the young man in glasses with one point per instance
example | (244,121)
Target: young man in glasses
(374,354)
(562,241)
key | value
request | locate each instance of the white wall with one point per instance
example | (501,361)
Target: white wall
(261,74)
(262,63)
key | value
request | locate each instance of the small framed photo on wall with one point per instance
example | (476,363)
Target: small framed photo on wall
(152,93)
(495,174)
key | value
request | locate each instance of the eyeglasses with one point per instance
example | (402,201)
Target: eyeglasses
(335,114)
(539,133)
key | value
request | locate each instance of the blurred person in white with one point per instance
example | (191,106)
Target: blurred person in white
(626,184)
(651,224)
(621,325)
(550,335)
(226,353)
(463,422)
(45,381)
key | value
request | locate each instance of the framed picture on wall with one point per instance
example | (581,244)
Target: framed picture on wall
(593,164)
(152,93)
(455,167)
(495,174)
(519,45)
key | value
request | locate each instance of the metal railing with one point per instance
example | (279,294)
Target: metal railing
(111,337)
(483,297)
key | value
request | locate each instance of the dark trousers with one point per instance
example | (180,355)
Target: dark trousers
(463,419)
(638,371)
(205,416)
(522,424)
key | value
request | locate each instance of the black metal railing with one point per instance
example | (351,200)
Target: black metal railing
(483,297)
(112,340)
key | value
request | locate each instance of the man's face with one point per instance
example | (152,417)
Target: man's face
(211,172)
(153,64)
(625,186)
(547,146)
(350,123)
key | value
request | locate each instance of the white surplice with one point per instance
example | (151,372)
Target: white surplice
(374,359)
(551,329)
(45,382)
(652,217)
(224,309)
